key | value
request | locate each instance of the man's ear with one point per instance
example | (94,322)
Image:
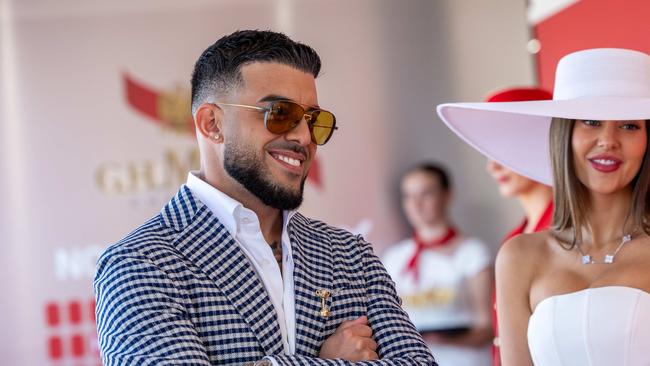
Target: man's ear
(208,121)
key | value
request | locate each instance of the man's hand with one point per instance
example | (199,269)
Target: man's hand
(352,342)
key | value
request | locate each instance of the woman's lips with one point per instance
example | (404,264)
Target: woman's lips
(605,164)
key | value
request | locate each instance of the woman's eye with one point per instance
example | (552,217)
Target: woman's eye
(591,122)
(630,126)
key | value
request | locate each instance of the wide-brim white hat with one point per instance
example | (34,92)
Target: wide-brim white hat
(597,84)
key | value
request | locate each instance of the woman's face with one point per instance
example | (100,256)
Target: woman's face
(608,154)
(424,200)
(510,183)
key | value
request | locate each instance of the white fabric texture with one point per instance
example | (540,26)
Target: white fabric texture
(592,327)
(441,298)
(244,226)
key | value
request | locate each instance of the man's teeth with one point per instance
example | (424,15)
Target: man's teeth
(605,161)
(288,160)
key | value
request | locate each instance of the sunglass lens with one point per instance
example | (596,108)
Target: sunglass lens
(283,116)
(322,127)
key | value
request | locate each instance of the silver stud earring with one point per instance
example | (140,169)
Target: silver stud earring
(216,136)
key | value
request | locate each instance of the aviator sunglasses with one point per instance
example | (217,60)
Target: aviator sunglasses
(283,115)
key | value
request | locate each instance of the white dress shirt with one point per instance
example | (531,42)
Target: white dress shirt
(244,226)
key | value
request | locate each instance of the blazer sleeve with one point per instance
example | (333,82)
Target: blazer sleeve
(397,340)
(140,316)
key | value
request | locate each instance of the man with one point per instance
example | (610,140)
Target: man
(443,276)
(229,273)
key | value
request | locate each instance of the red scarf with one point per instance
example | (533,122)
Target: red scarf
(421,245)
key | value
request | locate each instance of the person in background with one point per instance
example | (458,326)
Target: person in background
(535,198)
(444,278)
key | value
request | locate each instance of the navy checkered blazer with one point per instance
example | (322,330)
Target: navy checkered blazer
(180,291)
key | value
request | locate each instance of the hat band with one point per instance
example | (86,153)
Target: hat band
(601,88)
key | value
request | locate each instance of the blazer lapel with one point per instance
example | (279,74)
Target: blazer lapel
(312,272)
(207,243)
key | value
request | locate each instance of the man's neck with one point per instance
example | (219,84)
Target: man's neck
(270,218)
(432,231)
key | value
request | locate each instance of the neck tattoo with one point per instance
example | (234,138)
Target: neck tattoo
(277,252)
(609,258)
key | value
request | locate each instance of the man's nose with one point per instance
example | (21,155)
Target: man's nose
(301,133)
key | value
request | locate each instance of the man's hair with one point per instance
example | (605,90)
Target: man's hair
(435,170)
(218,69)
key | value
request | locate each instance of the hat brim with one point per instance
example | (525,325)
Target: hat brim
(515,134)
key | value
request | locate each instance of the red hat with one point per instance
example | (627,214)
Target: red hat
(519,95)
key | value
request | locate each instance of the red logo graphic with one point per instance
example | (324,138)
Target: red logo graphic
(168,109)
(72,332)
(172,110)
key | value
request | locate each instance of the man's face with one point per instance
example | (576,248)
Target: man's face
(272,167)
(424,200)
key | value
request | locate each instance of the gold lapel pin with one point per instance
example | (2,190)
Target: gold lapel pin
(324,295)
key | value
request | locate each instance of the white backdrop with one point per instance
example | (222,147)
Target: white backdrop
(81,166)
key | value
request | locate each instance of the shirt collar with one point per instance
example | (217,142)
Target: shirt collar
(227,210)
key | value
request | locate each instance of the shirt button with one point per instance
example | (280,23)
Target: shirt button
(246,221)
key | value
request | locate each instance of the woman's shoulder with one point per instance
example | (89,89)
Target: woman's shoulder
(525,249)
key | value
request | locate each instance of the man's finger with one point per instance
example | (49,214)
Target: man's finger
(360,331)
(371,355)
(358,321)
(370,344)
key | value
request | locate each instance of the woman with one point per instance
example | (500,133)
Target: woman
(535,198)
(537,201)
(443,277)
(579,293)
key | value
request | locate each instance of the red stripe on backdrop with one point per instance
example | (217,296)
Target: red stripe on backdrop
(52,314)
(591,24)
(91,310)
(55,348)
(314,174)
(142,99)
(78,345)
(74,312)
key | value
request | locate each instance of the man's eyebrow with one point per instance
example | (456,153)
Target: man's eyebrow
(275,97)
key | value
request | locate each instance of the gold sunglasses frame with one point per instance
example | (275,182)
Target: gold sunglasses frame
(306,116)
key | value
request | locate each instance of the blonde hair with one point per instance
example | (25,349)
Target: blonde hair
(570,196)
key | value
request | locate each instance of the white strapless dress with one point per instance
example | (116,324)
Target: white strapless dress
(596,326)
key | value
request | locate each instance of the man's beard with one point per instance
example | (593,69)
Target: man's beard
(246,168)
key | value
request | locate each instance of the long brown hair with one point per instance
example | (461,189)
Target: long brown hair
(570,196)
